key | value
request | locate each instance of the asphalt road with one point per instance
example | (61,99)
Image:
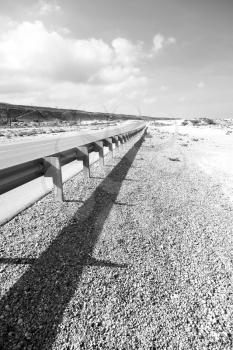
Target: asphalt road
(14,154)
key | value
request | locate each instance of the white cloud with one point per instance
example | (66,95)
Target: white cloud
(181,99)
(116,73)
(35,63)
(159,42)
(45,7)
(201,85)
(6,23)
(171,40)
(50,67)
(64,30)
(163,88)
(126,52)
(130,84)
(31,49)
(150,99)
(137,94)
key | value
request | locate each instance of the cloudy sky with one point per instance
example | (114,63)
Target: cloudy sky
(155,57)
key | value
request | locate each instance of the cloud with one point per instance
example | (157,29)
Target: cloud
(31,49)
(181,99)
(63,30)
(201,85)
(132,83)
(150,99)
(50,67)
(171,40)
(36,62)
(115,74)
(159,42)
(46,7)
(126,52)
(163,88)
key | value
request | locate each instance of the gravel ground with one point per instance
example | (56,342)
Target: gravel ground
(138,257)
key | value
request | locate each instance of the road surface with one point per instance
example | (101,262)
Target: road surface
(14,154)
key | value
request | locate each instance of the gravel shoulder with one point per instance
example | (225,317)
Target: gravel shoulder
(138,257)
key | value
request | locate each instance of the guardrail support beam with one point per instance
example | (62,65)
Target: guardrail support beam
(108,142)
(99,146)
(111,147)
(121,138)
(115,140)
(53,166)
(83,154)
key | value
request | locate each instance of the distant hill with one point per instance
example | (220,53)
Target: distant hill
(14,113)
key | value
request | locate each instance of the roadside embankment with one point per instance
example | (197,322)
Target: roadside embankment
(139,256)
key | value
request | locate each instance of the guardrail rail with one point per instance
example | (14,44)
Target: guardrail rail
(30,170)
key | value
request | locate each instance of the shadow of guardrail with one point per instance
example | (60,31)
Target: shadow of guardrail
(33,308)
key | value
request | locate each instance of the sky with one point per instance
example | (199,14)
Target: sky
(162,58)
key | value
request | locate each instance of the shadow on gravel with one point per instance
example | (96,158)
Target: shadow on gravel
(17,261)
(33,308)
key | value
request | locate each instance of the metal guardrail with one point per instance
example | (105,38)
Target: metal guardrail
(25,162)
(11,155)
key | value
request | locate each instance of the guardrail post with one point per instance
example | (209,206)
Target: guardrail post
(53,165)
(115,140)
(83,154)
(124,141)
(111,147)
(108,143)
(99,145)
(86,163)
(121,138)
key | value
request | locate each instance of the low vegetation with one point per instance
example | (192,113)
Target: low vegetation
(18,121)
(199,121)
(11,115)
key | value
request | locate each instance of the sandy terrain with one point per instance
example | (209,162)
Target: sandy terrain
(211,148)
(138,257)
